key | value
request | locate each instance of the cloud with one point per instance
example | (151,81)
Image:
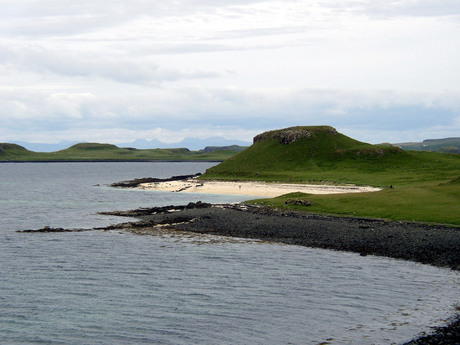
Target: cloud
(193,67)
(198,112)
(385,9)
(57,18)
(38,59)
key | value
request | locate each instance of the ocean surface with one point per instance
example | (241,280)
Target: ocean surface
(111,287)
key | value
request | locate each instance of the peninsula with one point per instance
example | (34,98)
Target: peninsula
(310,164)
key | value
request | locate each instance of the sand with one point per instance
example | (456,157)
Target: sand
(260,189)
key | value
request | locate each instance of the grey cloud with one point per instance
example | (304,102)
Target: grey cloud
(127,70)
(61,18)
(64,18)
(384,8)
(25,112)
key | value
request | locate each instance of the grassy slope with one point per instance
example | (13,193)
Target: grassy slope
(107,152)
(426,184)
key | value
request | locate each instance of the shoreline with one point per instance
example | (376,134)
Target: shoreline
(437,245)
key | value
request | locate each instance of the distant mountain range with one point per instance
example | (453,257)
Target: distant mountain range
(189,143)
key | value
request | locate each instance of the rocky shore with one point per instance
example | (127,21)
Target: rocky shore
(428,244)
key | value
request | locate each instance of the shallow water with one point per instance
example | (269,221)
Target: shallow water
(117,288)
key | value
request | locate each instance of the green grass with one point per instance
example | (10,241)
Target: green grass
(426,184)
(108,152)
(429,203)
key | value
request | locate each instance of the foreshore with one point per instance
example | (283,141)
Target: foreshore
(191,184)
(436,245)
(250,188)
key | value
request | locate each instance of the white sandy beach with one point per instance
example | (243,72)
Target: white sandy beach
(261,189)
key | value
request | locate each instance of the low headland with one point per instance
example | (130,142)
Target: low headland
(96,152)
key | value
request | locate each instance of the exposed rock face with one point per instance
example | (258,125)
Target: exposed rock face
(288,135)
(298,202)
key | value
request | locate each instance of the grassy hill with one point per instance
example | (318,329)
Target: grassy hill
(108,152)
(446,145)
(12,150)
(425,185)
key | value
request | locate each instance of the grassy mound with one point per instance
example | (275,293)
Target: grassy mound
(91,147)
(324,155)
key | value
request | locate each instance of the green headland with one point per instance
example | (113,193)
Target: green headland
(416,186)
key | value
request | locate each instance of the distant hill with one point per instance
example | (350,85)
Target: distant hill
(12,151)
(109,152)
(447,145)
(192,144)
(231,148)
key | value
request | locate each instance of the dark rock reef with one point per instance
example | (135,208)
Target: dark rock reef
(136,182)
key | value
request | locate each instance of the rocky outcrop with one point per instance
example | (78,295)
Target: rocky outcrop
(300,202)
(289,135)
(154,210)
(136,182)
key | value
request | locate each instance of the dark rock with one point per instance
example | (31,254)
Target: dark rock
(298,202)
(136,182)
(286,136)
(49,229)
(290,135)
(449,334)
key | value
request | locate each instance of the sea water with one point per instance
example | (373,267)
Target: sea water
(97,287)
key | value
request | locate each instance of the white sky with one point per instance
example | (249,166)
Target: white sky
(377,70)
